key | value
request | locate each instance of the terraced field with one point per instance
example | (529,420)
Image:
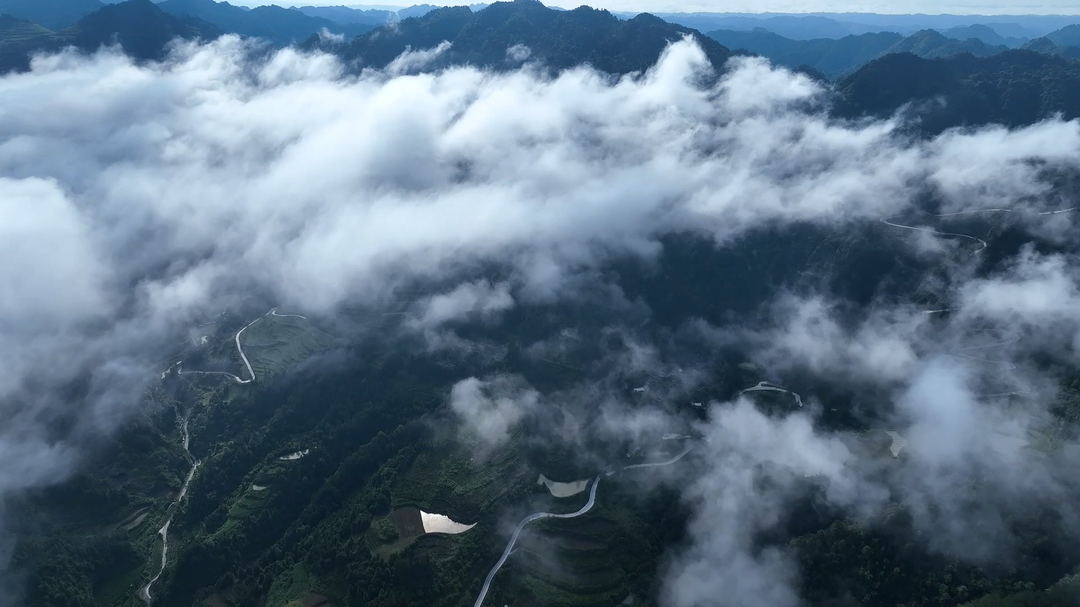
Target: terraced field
(276,343)
(449,481)
(586,561)
(254,495)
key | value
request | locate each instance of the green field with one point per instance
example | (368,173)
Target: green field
(274,344)
(450,481)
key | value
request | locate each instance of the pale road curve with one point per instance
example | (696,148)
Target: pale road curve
(982,243)
(528,519)
(765,387)
(144,592)
(240,349)
(540,515)
(959,353)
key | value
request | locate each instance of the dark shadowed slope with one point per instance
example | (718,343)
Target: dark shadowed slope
(142,29)
(559,39)
(138,26)
(274,23)
(52,14)
(1014,88)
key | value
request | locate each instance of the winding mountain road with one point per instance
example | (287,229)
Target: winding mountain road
(144,592)
(766,387)
(982,243)
(240,349)
(541,515)
(960,353)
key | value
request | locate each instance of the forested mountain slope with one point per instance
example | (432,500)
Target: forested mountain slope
(276,24)
(1013,88)
(558,39)
(836,58)
(52,14)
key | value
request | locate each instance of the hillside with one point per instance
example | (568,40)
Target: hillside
(1066,36)
(830,57)
(835,58)
(19,39)
(13,29)
(51,14)
(558,39)
(142,29)
(931,44)
(1015,87)
(279,25)
(347,15)
(986,34)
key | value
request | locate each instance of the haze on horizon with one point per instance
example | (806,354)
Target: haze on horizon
(928,7)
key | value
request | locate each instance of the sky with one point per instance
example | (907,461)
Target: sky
(929,7)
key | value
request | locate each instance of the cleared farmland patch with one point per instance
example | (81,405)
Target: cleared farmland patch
(450,481)
(274,344)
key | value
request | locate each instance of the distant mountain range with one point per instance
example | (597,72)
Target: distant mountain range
(1014,87)
(278,25)
(558,39)
(944,81)
(837,57)
(833,25)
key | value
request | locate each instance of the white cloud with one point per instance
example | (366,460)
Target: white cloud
(140,197)
(476,300)
(489,409)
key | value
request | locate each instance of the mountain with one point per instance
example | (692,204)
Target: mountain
(796,27)
(831,57)
(984,33)
(19,39)
(52,14)
(1014,87)
(345,15)
(142,29)
(416,10)
(1047,46)
(834,58)
(559,39)
(278,25)
(929,43)
(1066,36)
(13,29)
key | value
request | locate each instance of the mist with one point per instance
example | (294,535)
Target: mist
(136,199)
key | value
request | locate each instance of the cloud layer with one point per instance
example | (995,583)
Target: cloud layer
(135,200)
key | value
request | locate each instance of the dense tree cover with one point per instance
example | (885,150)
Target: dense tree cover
(885,562)
(1013,88)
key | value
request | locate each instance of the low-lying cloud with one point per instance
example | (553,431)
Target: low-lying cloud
(136,199)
